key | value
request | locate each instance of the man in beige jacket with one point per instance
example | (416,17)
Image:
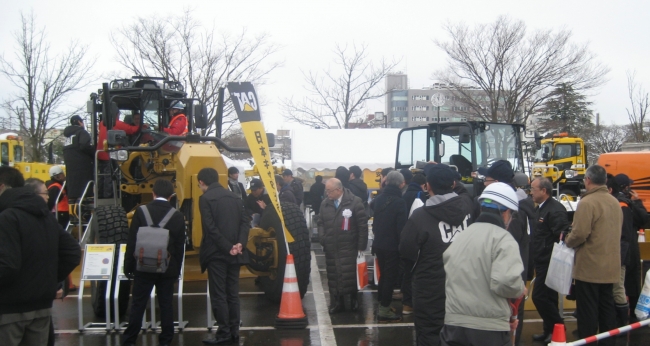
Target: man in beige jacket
(596,236)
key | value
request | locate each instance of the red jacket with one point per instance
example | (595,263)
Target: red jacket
(177,126)
(103,134)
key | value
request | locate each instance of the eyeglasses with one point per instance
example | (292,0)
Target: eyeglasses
(330,191)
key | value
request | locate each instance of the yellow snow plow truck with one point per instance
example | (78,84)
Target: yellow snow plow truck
(150,154)
(563,160)
(12,148)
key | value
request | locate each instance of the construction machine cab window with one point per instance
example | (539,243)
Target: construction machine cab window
(5,154)
(562,151)
(464,145)
(18,153)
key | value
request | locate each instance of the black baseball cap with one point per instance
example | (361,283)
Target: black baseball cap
(256,184)
(500,170)
(623,180)
(440,175)
(287,172)
(75,119)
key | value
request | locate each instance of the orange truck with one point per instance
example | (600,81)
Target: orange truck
(633,163)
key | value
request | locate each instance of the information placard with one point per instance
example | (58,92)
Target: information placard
(98,262)
(120,263)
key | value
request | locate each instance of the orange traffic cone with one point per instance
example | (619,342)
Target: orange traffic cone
(291,315)
(559,337)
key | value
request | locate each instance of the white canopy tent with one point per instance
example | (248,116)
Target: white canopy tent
(326,149)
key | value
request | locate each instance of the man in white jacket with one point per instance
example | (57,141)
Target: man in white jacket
(479,285)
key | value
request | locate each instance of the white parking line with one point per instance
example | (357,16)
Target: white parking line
(325,329)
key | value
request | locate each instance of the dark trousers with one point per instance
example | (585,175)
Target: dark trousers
(407,289)
(140,296)
(224,296)
(596,310)
(389,266)
(461,336)
(546,300)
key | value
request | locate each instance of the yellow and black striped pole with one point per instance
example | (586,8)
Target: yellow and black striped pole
(244,99)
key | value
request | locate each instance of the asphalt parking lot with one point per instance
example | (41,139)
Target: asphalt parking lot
(258,318)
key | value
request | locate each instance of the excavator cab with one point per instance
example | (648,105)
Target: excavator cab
(465,146)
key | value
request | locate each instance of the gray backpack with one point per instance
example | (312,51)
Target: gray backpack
(151,253)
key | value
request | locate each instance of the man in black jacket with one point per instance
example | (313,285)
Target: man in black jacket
(79,157)
(415,189)
(640,218)
(389,219)
(295,184)
(144,282)
(257,200)
(317,193)
(357,186)
(552,220)
(426,235)
(225,232)
(35,255)
(634,217)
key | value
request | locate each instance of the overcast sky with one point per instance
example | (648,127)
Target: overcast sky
(307,31)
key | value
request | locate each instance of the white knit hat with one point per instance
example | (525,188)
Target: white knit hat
(502,194)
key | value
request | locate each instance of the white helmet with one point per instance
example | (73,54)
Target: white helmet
(501,194)
(55,170)
(177,105)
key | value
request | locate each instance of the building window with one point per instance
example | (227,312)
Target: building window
(460,108)
(397,109)
(400,98)
(419,118)
(420,97)
(420,108)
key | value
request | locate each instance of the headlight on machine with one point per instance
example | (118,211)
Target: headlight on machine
(569,173)
(120,155)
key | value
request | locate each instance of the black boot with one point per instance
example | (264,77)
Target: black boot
(337,304)
(354,303)
(622,315)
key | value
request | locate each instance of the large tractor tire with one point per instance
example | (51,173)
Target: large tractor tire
(112,228)
(300,249)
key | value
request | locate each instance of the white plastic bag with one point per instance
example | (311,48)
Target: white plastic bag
(642,310)
(560,269)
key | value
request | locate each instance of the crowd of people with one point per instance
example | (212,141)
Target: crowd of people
(468,300)
(424,225)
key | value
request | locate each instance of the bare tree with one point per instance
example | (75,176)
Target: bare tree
(43,80)
(502,73)
(340,94)
(605,139)
(639,102)
(182,49)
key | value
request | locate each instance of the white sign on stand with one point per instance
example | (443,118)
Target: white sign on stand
(121,277)
(98,262)
(97,266)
